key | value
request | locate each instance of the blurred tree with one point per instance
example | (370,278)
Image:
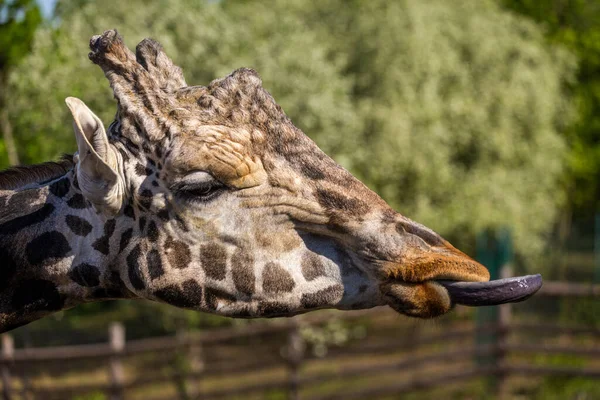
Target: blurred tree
(462,107)
(18,21)
(576,25)
(452,111)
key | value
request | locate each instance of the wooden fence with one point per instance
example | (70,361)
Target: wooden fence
(277,360)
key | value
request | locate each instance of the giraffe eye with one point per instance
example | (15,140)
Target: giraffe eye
(198,187)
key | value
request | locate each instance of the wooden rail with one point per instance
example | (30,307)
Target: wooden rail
(296,364)
(569,289)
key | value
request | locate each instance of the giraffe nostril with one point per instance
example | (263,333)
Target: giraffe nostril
(428,236)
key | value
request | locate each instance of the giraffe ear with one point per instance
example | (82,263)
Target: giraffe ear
(96,160)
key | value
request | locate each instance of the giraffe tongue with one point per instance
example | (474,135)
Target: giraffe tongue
(509,290)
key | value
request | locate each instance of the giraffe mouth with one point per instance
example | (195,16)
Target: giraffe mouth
(462,280)
(490,293)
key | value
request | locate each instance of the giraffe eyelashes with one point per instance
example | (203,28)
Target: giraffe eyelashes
(199,192)
(198,187)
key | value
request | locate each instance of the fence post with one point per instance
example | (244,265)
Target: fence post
(26,389)
(597,248)
(180,367)
(504,318)
(117,375)
(196,367)
(188,365)
(8,352)
(295,355)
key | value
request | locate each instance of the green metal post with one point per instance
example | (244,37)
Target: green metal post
(485,316)
(494,250)
(597,249)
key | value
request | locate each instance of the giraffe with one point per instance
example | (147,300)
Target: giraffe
(206,198)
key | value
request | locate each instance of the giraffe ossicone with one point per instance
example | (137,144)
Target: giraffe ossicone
(208,198)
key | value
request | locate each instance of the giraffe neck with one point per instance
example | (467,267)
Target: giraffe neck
(54,250)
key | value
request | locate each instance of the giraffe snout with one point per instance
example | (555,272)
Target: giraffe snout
(422,255)
(447,263)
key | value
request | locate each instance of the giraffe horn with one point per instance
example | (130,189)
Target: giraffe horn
(136,88)
(110,53)
(150,54)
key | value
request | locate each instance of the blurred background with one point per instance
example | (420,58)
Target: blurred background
(477,118)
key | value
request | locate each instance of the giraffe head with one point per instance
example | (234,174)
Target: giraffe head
(223,205)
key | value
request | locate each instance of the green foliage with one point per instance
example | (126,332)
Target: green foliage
(557,388)
(580,311)
(452,112)
(335,333)
(91,396)
(461,106)
(18,21)
(575,24)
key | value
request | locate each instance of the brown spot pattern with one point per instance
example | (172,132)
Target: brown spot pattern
(128,211)
(77,201)
(47,246)
(145,198)
(214,260)
(155,266)
(163,214)
(189,297)
(178,253)
(77,225)
(242,267)
(312,267)
(276,279)
(388,216)
(323,297)
(141,170)
(135,273)
(125,239)
(60,188)
(311,171)
(103,243)
(152,231)
(335,201)
(85,275)
(142,223)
